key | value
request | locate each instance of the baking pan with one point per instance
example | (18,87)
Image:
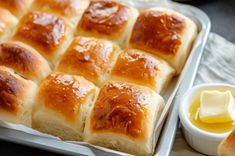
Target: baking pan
(188,76)
(172,94)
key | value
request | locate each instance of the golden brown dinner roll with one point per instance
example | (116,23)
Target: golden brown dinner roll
(7,24)
(24,60)
(89,57)
(47,33)
(107,19)
(62,104)
(70,9)
(142,68)
(227,146)
(16,7)
(16,97)
(123,118)
(165,33)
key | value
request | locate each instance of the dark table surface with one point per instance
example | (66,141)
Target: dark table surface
(222,15)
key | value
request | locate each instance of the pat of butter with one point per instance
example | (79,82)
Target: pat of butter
(216,107)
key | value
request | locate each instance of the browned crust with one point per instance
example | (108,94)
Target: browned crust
(121,108)
(158,31)
(104,17)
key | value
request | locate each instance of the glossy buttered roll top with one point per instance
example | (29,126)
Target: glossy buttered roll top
(146,65)
(142,68)
(62,104)
(67,92)
(123,117)
(104,17)
(107,19)
(24,60)
(164,33)
(45,32)
(121,108)
(159,31)
(89,57)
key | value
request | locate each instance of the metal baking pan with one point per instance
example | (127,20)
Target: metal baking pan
(178,86)
(168,133)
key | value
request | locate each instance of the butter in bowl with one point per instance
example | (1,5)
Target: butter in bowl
(207,114)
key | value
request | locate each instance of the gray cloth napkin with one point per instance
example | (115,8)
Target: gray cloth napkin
(217,66)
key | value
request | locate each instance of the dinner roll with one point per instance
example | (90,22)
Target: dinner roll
(47,33)
(123,118)
(70,9)
(227,146)
(89,57)
(62,104)
(165,33)
(16,7)
(7,24)
(142,68)
(16,97)
(107,19)
(24,60)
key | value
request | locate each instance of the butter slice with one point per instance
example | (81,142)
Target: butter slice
(216,107)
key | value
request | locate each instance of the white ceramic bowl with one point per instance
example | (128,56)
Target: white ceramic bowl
(201,140)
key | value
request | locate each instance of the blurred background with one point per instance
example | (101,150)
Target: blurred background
(221,13)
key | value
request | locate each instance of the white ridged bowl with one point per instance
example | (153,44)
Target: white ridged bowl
(201,140)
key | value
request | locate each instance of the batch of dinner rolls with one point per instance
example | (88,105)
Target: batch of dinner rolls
(90,70)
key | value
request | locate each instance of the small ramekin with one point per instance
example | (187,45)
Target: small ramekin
(201,140)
